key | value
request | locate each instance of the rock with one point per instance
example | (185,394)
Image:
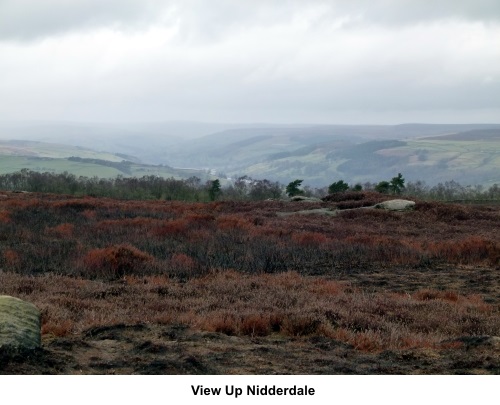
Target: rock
(396,205)
(305,199)
(19,324)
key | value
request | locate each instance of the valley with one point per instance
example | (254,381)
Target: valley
(316,154)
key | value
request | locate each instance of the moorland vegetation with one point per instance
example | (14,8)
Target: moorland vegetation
(374,281)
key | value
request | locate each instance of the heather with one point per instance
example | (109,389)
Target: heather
(371,279)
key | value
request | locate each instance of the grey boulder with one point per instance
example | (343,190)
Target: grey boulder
(396,205)
(20,324)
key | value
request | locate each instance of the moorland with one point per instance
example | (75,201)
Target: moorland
(232,287)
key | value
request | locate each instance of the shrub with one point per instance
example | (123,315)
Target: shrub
(182,265)
(229,222)
(199,220)
(176,227)
(115,261)
(299,325)
(256,325)
(309,239)
(221,322)
(63,230)
(12,259)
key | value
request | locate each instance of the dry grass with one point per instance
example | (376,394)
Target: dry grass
(259,305)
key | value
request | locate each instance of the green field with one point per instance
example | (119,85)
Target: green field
(52,150)
(10,164)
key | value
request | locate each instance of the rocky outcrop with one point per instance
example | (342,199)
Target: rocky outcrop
(19,324)
(396,205)
(390,205)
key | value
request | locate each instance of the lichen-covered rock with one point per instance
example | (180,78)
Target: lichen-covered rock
(19,324)
(396,205)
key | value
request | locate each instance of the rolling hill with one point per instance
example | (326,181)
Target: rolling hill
(319,154)
(57,158)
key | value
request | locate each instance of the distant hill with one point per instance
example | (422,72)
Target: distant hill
(431,160)
(52,150)
(319,154)
(57,158)
(323,154)
(491,134)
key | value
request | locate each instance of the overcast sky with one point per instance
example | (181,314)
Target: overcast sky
(280,61)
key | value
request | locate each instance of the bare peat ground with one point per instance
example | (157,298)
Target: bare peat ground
(233,288)
(156,349)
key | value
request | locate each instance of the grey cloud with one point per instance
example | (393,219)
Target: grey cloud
(207,21)
(247,60)
(31,19)
(415,11)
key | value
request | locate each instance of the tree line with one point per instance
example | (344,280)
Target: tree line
(243,188)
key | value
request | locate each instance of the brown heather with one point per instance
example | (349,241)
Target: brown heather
(372,279)
(258,305)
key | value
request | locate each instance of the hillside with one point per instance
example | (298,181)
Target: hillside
(58,158)
(95,167)
(39,149)
(321,154)
(433,160)
(318,154)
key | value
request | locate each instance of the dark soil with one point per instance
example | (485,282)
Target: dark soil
(154,349)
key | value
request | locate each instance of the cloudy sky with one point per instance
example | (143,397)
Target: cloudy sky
(282,61)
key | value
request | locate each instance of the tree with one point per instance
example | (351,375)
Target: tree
(383,187)
(214,189)
(293,188)
(417,189)
(338,187)
(397,184)
(357,187)
(263,189)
